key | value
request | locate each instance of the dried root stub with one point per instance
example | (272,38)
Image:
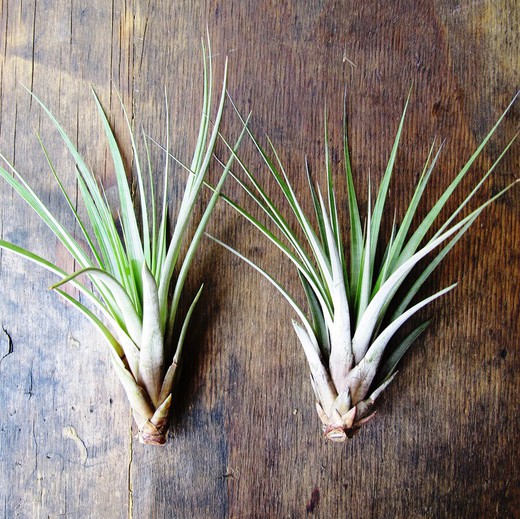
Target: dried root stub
(133,296)
(353,311)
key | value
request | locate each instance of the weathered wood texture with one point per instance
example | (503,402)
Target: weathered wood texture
(245,438)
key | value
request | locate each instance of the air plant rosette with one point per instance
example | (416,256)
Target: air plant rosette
(134,265)
(355,306)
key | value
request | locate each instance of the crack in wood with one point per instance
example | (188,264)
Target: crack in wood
(130,489)
(10,348)
(29,391)
(35,443)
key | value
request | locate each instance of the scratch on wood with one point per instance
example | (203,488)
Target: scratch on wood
(230,473)
(73,341)
(144,36)
(345,59)
(70,433)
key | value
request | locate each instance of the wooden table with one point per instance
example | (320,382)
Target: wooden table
(245,439)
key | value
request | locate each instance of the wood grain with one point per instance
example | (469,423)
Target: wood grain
(245,440)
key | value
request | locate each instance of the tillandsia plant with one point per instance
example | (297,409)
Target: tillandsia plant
(355,306)
(137,276)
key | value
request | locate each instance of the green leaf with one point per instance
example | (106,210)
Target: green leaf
(314,243)
(475,189)
(311,275)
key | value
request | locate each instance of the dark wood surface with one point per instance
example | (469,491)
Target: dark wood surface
(245,439)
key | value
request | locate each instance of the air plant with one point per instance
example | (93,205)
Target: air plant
(354,305)
(137,276)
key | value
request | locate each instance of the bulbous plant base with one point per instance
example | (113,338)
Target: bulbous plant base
(338,428)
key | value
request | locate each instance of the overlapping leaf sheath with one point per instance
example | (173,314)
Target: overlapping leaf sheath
(131,264)
(353,308)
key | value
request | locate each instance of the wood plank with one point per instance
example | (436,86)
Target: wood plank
(66,425)
(245,440)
